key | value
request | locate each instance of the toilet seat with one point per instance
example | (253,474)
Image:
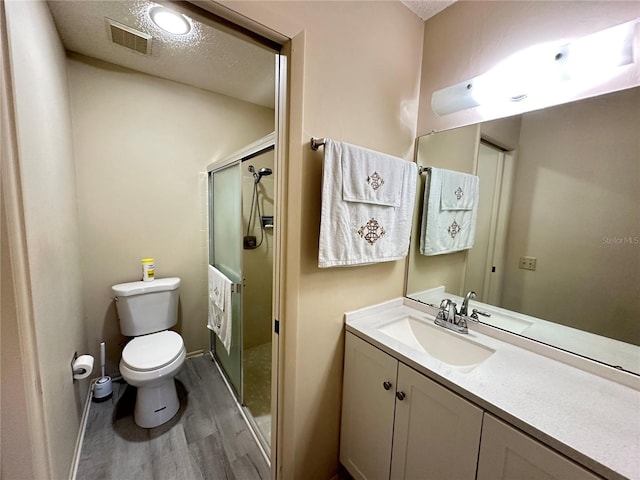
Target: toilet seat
(153,351)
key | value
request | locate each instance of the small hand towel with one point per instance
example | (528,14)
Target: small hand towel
(220,310)
(365,229)
(446,230)
(459,190)
(369,177)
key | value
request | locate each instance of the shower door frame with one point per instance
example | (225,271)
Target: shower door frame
(228,366)
(263,145)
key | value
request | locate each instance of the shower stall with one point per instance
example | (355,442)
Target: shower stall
(241,227)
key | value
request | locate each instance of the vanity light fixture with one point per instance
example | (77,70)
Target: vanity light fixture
(169,21)
(543,71)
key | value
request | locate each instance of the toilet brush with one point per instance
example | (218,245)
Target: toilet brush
(102,389)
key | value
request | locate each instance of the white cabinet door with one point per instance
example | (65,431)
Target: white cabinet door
(508,454)
(437,433)
(367,410)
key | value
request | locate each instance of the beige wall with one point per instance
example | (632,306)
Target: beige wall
(355,76)
(141,144)
(504,133)
(257,264)
(470,37)
(577,188)
(50,212)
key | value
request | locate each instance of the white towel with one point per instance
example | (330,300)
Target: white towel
(359,227)
(363,180)
(447,230)
(220,308)
(459,190)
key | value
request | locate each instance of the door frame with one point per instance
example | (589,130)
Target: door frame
(501,208)
(286,78)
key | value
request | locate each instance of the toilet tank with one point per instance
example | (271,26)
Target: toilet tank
(147,307)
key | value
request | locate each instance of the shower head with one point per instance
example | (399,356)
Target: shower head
(263,172)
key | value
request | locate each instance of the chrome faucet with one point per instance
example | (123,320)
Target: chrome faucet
(464,309)
(448,317)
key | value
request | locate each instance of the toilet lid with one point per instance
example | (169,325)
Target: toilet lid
(150,352)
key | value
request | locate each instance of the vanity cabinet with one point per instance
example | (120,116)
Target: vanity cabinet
(399,424)
(508,454)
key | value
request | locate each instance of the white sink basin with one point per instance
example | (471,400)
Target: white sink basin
(451,348)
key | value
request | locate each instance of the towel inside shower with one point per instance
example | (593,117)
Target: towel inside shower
(220,309)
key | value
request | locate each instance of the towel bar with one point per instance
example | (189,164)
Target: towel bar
(316,143)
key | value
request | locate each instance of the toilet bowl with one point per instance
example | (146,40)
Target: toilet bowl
(150,363)
(155,354)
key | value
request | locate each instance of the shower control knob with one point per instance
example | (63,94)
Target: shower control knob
(387,385)
(400,395)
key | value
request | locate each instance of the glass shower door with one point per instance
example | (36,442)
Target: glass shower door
(225,253)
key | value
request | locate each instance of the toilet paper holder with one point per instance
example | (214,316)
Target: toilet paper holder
(76,371)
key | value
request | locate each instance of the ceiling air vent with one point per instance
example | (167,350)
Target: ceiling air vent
(128,37)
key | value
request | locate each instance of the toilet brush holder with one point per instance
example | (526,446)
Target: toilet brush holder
(102,390)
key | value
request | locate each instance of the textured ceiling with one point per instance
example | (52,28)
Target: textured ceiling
(427,8)
(205,58)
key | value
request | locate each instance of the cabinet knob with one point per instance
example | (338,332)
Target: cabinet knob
(400,395)
(387,385)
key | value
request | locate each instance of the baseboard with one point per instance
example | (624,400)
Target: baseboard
(195,353)
(75,461)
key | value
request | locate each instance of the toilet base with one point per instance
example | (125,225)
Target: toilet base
(156,405)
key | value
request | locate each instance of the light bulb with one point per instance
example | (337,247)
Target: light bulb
(169,21)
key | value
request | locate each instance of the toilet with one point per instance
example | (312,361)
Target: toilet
(152,359)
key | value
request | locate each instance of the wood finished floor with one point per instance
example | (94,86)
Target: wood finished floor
(207,439)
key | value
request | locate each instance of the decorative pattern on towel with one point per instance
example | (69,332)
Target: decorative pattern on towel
(454,229)
(375,181)
(449,212)
(372,231)
(367,206)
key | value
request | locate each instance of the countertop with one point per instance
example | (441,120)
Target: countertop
(590,418)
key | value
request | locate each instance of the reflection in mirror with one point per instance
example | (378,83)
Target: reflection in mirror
(557,249)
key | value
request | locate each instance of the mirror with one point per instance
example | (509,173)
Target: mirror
(556,256)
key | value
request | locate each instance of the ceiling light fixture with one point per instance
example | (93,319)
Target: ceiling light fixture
(169,21)
(543,71)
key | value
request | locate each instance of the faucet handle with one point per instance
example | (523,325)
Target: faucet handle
(476,312)
(448,310)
